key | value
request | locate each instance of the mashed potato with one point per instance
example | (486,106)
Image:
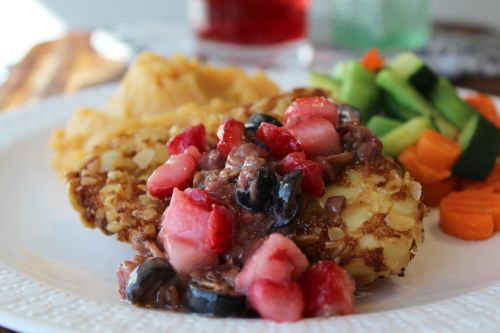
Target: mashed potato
(171,93)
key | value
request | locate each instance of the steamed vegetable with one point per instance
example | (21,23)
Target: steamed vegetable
(445,98)
(471,215)
(404,136)
(481,143)
(437,151)
(414,70)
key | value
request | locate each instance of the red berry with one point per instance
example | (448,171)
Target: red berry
(328,290)
(316,135)
(221,227)
(277,259)
(312,106)
(281,302)
(277,140)
(177,172)
(191,136)
(199,197)
(312,172)
(230,135)
(184,231)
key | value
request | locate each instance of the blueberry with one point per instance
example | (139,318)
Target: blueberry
(147,278)
(255,184)
(256,119)
(211,292)
(214,300)
(286,199)
(348,113)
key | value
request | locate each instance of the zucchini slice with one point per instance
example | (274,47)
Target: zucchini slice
(446,100)
(404,136)
(415,71)
(359,89)
(380,125)
(403,93)
(325,82)
(393,110)
(480,140)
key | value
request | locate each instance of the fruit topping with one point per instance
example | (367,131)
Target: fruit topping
(286,199)
(230,135)
(211,293)
(312,178)
(147,278)
(277,259)
(191,136)
(278,140)
(199,197)
(328,290)
(255,183)
(256,119)
(312,106)
(221,228)
(348,113)
(177,172)
(185,232)
(280,302)
(316,135)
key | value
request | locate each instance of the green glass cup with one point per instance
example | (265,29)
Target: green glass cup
(390,25)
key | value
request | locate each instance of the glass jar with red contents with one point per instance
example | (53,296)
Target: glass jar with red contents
(263,33)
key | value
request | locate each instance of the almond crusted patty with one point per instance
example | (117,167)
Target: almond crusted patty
(375,234)
(109,190)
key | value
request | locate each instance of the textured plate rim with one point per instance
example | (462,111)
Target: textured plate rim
(27,305)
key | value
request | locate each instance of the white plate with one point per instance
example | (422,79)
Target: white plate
(56,276)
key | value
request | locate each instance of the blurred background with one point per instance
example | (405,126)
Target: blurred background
(163,26)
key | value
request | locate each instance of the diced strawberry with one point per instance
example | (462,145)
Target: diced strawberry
(316,135)
(312,177)
(312,106)
(279,141)
(328,290)
(184,231)
(199,197)
(280,302)
(194,152)
(191,136)
(230,135)
(177,172)
(278,259)
(186,219)
(186,256)
(221,228)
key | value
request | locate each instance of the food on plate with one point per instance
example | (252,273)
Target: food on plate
(470,215)
(109,190)
(279,208)
(444,141)
(171,93)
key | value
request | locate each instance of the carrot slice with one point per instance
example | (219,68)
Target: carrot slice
(372,60)
(437,151)
(434,193)
(424,174)
(485,105)
(468,226)
(474,201)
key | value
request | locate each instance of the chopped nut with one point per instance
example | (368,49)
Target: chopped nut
(149,214)
(335,233)
(87,181)
(114,227)
(306,239)
(144,158)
